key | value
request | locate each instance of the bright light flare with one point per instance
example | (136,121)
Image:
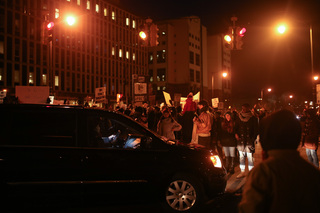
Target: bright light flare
(143,35)
(216,161)
(315,78)
(71,20)
(228,38)
(50,25)
(269,89)
(224,74)
(242,32)
(281,29)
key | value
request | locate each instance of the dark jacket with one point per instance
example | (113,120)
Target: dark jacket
(247,130)
(226,133)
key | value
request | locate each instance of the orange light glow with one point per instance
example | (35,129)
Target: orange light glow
(143,35)
(224,74)
(227,38)
(216,161)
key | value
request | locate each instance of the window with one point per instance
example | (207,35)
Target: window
(191,59)
(88,5)
(78,2)
(42,128)
(112,51)
(133,56)
(127,55)
(150,57)
(113,16)
(56,14)
(31,78)
(151,75)
(191,75)
(97,8)
(56,81)
(198,59)
(161,74)
(161,56)
(105,13)
(16,76)
(133,24)
(120,53)
(127,21)
(198,76)
(44,79)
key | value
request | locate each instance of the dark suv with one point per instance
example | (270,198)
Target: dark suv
(68,150)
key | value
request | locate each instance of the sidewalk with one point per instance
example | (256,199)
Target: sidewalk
(234,184)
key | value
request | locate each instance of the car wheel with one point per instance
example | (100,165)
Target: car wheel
(183,194)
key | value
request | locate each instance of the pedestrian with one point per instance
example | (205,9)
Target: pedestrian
(167,125)
(188,113)
(310,136)
(226,136)
(246,133)
(283,181)
(203,124)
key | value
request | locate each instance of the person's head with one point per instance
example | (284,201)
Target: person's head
(245,108)
(280,130)
(228,116)
(166,113)
(203,105)
(190,95)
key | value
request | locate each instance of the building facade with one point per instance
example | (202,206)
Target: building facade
(176,64)
(219,70)
(101,49)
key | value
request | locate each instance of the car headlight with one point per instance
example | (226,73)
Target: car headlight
(216,161)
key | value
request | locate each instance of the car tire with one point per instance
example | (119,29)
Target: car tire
(184,193)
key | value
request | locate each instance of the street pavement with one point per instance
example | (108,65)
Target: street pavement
(235,185)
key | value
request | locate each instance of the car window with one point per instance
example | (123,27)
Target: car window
(112,133)
(40,128)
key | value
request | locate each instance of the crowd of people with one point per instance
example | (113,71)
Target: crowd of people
(283,181)
(233,134)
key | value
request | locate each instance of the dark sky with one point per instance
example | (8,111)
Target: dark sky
(267,60)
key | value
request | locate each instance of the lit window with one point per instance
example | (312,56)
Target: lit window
(16,76)
(127,21)
(120,53)
(113,15)
(44,79)
(1,74)
(163,33)
(97,8)
(31,78)
(88,5)
(158,88)
(105,11)
(56,81)
(56,14)
(127,54)
(68,0)
(133,24)
(151,79)
(112,51)
(133,56)
(78,2)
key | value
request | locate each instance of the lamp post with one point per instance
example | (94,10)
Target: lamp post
(281,29)
(262,92)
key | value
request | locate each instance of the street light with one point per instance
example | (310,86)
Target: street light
(223,74)
(71,20)
(281,29)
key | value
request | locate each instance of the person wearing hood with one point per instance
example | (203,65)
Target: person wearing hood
(246,132)
(167,125)
(283,181)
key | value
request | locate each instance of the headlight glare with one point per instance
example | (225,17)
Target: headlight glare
(216,161)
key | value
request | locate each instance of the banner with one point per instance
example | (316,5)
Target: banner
(167,98)
(100,94)
(215,102)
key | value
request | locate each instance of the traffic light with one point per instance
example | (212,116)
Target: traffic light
(228,39)
(50,26)
(238,37)
(154,35)
(144,35)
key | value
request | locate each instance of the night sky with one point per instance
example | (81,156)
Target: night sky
(267,59)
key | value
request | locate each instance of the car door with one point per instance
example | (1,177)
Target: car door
(39,155)
(119,168)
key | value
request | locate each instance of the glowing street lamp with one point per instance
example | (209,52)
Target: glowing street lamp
(281,29)
(71,20)
(315,77)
